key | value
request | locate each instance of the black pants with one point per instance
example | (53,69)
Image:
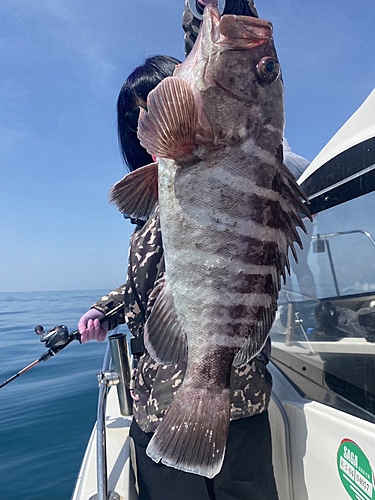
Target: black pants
(247,472)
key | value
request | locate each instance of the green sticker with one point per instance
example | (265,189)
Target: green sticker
(355,471)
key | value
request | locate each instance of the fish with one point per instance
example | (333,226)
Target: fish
(229,213)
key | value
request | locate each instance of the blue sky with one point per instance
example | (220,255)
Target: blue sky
(62,65)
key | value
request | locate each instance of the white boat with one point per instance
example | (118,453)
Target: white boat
(322,410)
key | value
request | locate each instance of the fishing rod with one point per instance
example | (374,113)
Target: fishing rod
(56,340)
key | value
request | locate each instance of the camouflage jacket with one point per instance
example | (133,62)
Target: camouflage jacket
(157,384)
(191,24)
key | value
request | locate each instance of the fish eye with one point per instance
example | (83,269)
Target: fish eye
(268,69)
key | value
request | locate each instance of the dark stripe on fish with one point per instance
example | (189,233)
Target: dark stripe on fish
(253,283)
(250,250)
(215,372)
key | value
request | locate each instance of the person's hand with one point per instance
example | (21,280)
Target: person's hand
(90,327)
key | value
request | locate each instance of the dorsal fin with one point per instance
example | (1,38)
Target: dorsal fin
(289,218)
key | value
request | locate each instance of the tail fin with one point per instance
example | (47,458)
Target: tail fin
(193,434)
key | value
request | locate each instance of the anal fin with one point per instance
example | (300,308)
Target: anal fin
(164,337)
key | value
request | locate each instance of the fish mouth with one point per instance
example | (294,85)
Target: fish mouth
(239,31)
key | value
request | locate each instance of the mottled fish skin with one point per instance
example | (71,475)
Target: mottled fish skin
(229,211)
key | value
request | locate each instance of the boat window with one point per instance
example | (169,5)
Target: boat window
(324,333)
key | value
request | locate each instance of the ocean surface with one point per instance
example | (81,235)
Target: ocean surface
(46,414)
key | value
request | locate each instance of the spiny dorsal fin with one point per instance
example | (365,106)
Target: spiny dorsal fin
(290,190)
(289,218)
(168,128)
(137,193)
(293,203)
(164,337)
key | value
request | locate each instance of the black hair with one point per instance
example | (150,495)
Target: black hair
(133,94)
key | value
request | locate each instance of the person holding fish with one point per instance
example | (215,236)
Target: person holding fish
(205,261)
(248,453)
(193,14)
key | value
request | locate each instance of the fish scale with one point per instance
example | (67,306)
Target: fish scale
(228,213)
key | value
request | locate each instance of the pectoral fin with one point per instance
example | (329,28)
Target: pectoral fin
(137,193)
(169,126)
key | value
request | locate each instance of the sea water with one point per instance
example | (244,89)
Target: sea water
(46,414)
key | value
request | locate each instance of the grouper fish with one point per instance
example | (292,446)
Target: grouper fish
(229,210)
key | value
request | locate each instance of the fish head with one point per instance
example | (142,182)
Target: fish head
(235,76)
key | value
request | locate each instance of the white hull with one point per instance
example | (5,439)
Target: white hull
(306,437)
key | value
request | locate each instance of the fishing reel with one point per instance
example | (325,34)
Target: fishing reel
(58,337)
(55,340)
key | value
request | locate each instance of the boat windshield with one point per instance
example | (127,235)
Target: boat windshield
(324,333)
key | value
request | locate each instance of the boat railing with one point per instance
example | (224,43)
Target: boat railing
(115,371)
